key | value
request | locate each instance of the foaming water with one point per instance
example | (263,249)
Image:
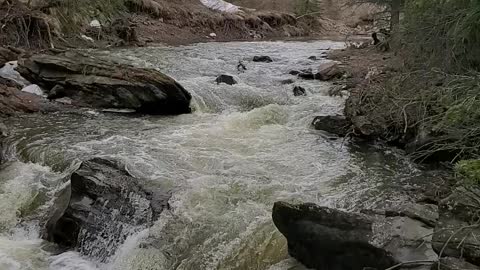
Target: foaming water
(244,147)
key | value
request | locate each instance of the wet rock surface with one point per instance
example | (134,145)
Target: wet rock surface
(396,233)
(99,83)
(228,79)
(106,205)
(324,238)
(335,124)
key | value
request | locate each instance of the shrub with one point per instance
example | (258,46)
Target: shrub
(469,171)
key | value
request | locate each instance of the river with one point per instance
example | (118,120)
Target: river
(243,148)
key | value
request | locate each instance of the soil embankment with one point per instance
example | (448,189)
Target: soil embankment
(44,24)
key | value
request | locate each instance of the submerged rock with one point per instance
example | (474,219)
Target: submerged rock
(98,83)
(263,58)
(337,124)
(299,91)
(294,72)
(287,81)
(324,238)
(106,205)
(226,79)
(313,57)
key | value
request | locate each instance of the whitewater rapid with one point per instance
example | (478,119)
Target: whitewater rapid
(243,148)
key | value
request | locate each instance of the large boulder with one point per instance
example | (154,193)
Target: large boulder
(91,81)
(323,238)
(335,124)
(457,229)
(105,206)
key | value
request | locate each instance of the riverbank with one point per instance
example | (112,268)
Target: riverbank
(373,116)
(42,25)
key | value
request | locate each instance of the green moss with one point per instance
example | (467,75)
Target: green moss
(469,171)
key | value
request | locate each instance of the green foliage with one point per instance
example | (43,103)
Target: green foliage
(443,33)
(469,171)
(437,93)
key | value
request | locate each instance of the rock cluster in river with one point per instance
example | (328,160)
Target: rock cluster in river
(99,83)
(106,205)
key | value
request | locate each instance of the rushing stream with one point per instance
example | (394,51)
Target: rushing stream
(244,147)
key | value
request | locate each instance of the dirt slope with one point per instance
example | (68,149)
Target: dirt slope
(49,23)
